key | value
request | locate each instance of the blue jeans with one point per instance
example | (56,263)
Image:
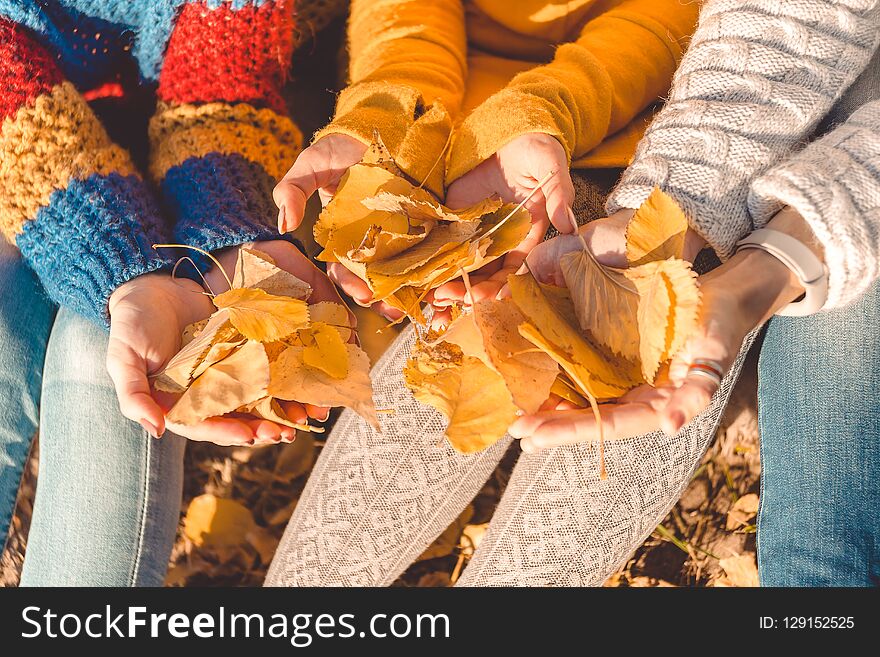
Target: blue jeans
(108,495)
(819,413)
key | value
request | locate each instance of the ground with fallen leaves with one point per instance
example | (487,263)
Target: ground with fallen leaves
(707,540)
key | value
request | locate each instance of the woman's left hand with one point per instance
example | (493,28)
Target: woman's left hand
(512,174)
(736,298)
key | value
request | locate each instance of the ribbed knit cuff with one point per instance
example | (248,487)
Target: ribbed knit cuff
(92,237)
(219,200)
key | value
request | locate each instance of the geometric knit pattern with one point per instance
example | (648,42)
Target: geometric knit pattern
(758,77)
(375,501)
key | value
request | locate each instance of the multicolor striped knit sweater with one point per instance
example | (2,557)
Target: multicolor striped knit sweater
(72,200)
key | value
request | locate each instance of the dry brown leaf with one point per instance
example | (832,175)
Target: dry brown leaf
(255,269)
(473,397)
(239,379)
(445,544)
(261,316)
(656,231)
(741,570)
(743,510)
(292,379)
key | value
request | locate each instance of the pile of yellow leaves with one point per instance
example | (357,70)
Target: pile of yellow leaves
(401,241)
(263,344)
(606,332)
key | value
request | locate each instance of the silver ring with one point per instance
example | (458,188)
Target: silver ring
(708,369)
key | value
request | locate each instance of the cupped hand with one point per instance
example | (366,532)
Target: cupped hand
(736,298)
(513,174)
(147,318)
(291,259)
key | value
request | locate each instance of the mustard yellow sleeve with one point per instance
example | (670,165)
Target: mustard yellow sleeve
(622,62)
(408,64)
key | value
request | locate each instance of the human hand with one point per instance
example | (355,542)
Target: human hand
(736,298)
(319,168)
(513,174)
(147,317)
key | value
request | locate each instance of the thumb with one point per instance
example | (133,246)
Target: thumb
(293,191)
(128,371)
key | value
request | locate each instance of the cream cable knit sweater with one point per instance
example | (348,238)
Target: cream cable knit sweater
(757,79)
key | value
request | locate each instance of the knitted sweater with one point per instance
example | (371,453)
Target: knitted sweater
(580,72)
(756,81)
(81,214)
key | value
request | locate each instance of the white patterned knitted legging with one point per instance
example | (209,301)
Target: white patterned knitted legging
(375,501)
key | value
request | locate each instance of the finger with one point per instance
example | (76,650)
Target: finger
(450,293)
(547,429)
(351,284)
(264,430)
(128,371)
(293,191)
(319,413)
(686,403)
(387,311)
(295,411)
(217,430)
(441,319)
(559,197)
(485,290)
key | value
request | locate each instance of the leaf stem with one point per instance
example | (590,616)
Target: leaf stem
(202,251)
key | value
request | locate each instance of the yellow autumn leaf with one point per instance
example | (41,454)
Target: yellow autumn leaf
(656,231)
(527,372)
(324,350)
(564,388)
(208,346)
(345,222)
(473,397)
(428,210)
(212,521)
(334,314)
(261,316)
(237,380)
(292,380)
(594,372)
(378,244)
(256,269)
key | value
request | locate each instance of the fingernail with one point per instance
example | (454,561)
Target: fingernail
(325,418)
(282,224)
(526,445)
(150,428)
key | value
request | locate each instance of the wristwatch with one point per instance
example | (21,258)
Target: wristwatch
(794,254)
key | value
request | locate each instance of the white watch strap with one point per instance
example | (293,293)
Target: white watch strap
(794,254)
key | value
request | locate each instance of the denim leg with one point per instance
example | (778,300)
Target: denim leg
(108,495)
(819,412)
(25,320)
